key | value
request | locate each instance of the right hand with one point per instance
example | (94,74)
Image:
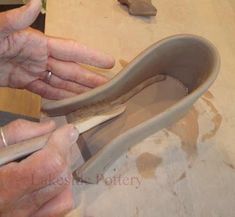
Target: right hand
(40,185)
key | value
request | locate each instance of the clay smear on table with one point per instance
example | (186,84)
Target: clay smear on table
(230,165)
(187,129)
(146,164)
(183,176)
(217,120)
(136,212)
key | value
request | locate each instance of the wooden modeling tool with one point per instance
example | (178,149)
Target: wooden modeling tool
(84,122)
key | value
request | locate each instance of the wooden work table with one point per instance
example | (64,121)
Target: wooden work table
(189,168)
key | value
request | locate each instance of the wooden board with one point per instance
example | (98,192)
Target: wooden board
(18,104)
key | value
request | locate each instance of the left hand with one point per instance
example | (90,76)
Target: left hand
(26,56)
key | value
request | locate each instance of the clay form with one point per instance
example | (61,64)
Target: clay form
(140,7)
(158,87)
(86,122)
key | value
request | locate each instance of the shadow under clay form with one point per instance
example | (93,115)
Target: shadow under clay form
(158,87)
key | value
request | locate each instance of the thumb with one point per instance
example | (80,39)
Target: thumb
(20,18)
(21,130)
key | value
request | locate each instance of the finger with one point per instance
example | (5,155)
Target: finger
(56,187)
(73,72)
(20,18)
(21,130)
(69,50)
(34,173)
(59,206)
(29,204)
(47,91)
(59,83)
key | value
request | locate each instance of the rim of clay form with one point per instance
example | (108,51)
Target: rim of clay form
(65,106)
(191,60)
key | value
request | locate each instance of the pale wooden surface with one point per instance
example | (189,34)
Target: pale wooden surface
(188,169)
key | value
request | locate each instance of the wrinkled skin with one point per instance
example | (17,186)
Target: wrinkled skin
(41,185)
(26,55)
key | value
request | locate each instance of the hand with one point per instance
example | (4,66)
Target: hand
(26,56)
(39,186)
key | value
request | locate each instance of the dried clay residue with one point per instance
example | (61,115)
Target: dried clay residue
(146,164)
(136,212)
(187,129)
(217,120)
(183,176)
(230,165)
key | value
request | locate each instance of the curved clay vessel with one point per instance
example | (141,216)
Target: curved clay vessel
(158,88)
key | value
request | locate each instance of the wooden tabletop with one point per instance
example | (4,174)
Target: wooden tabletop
(189,168)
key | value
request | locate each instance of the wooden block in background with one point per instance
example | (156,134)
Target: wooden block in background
(16,104)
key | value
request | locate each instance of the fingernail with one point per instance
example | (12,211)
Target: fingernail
(74,134)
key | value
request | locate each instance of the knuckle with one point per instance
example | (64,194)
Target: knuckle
(58,162)
(52,163)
